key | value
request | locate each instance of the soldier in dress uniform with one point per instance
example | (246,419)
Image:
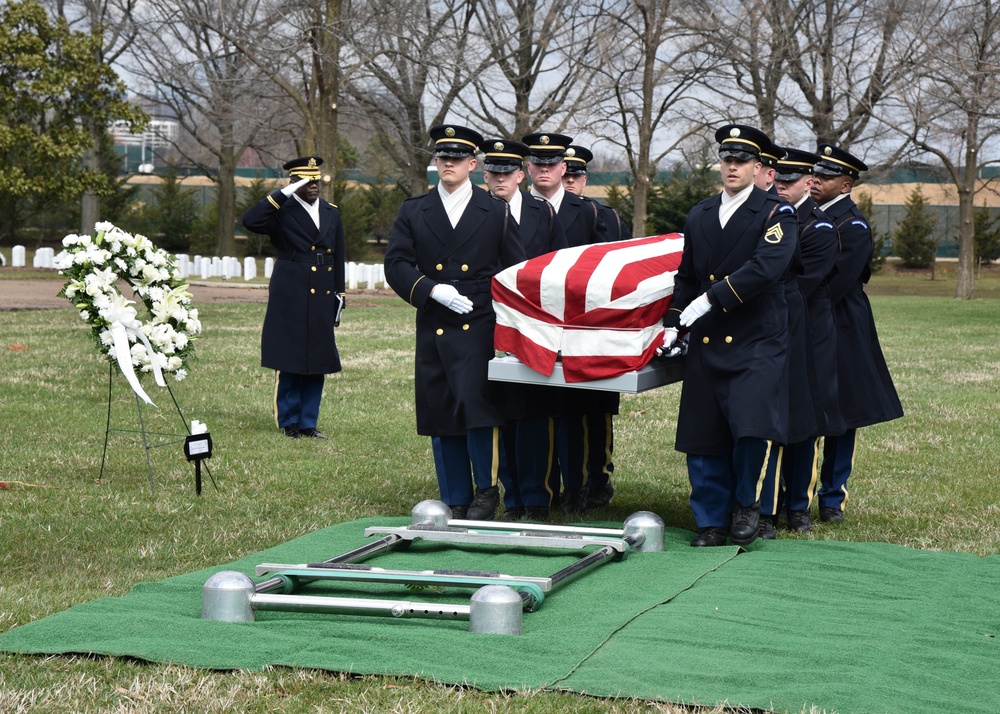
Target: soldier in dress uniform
(600,430)
(813,366)
(444,248)
(728,290)
(583,224)
(530,437)
(305,295)
(867,394)
(769,156)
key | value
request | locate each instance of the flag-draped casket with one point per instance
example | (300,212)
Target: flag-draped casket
(600,307)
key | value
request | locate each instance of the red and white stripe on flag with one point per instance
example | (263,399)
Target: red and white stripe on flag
(599,306)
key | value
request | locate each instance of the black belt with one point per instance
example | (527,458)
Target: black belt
(311,258)
(471,285)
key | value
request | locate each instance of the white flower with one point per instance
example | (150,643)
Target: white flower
(94,267)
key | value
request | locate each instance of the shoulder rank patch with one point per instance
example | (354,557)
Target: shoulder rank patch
(774,234)
(859,222)
(786,208)
(823,224)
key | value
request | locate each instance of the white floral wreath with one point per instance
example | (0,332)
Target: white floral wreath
(94,267)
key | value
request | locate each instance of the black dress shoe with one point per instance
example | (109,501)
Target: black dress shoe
(484,504)
(512,514)
(292,432)
(574,500)
(458,512)
(600,497)
(831,515)
(710,536)
(767,531)
(539,514)
(799,521)
(746,524)
(313,434)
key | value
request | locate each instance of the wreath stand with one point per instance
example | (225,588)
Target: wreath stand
(175,437)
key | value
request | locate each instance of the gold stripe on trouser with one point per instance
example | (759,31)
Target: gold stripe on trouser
(586,451)
(763,469)
(854,452)
(777,479)
(495,459)
(814,475)
(608,436)
(274,403)
(548,463)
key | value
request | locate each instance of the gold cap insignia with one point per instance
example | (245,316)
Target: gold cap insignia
(544,140)
(570,152)
(312,163)
(827,151)
(734,132)
(449,132)
(498,146)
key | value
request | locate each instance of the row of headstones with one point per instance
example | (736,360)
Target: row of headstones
(357,274)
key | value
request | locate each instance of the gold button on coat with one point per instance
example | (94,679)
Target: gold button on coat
(327,292)
(438,267)
(465,268)
(440,331)
(312,248)
(711,277)
(313,268)
(705,339)
(729,338)
(312,291)
(329,270)
(465,326)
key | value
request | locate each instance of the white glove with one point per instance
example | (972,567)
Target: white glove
(669,338)
(698,307)
(293,187)
(448,296)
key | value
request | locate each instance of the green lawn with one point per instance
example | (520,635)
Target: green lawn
(71,535)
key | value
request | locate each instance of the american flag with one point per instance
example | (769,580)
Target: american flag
(600,307)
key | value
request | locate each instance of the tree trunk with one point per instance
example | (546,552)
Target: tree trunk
(226,203)
(90,202)
(966,245)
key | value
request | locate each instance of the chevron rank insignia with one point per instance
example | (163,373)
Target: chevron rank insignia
(774,234)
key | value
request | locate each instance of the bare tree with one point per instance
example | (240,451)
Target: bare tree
(648,65)
(952,110)
(538,53)
(821,64)
(412,59)
(209,86)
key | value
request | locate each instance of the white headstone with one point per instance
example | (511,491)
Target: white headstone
(268,267)
(249,268)
(352,275)
(17,256)
(216,270)
(183,265)
(206,268)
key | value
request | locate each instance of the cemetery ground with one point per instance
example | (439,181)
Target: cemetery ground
(72,535)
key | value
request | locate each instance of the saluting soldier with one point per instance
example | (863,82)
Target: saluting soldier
(444,248)
(583,224)
(530,437)
(813,367)
(599,418)
(305,294)
(867,394)
(728,290)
